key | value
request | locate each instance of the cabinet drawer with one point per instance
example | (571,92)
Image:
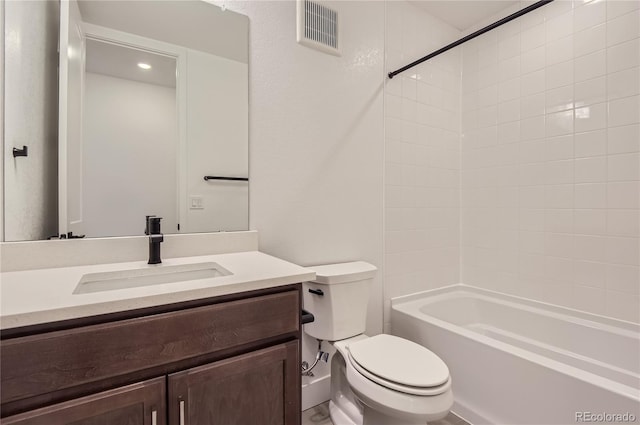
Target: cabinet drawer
(49,362)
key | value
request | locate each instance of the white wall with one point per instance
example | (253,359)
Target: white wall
(316,149)
(129,155)
(31,119)
(217,143)
(316,146)
(550,163)
(422,116)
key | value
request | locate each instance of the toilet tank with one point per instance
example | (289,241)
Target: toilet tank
(338,299)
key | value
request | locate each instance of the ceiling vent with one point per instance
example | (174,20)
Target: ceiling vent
(318,27)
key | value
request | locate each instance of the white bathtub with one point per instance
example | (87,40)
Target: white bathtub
(517,361)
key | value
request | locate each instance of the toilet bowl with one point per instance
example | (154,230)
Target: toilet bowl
(378,380)
(396,381)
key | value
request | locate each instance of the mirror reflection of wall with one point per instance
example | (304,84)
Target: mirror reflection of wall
(130,139)
(134,141)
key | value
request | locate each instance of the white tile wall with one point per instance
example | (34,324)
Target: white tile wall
(422,155)
(550,183)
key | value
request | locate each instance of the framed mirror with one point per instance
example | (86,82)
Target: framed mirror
(151,103)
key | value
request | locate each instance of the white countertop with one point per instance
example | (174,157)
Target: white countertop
(46,295)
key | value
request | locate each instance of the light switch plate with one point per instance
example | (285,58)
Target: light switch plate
(197,203)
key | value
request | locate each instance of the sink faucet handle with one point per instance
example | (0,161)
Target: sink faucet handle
(152,226)
(146,224)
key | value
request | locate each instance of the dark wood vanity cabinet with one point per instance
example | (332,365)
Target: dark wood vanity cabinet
(227,360)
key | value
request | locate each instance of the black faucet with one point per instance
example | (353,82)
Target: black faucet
(155,237)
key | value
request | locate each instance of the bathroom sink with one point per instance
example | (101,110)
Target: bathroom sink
(123,279)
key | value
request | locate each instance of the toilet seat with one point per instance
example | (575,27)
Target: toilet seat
(400,365)
(419,391)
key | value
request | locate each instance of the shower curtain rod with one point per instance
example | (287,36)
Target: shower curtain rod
(496,24)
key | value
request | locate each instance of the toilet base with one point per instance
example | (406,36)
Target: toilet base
(339,417)
(367,417)
(375,417)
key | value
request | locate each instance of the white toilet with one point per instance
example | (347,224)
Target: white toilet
(378,380)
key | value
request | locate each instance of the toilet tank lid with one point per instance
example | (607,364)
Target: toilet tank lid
(330,274)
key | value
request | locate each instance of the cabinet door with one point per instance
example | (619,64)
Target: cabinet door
(261,387)
(136,404)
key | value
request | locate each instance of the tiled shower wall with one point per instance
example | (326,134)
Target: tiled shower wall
(422,155)
(550,157)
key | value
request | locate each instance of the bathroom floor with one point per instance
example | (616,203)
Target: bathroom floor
(319,415)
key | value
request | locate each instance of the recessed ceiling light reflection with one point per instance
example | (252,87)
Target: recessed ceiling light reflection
(144,65)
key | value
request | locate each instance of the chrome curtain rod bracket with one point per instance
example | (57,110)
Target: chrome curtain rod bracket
(471,36)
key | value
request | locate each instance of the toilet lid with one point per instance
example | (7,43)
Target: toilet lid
(399,361)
